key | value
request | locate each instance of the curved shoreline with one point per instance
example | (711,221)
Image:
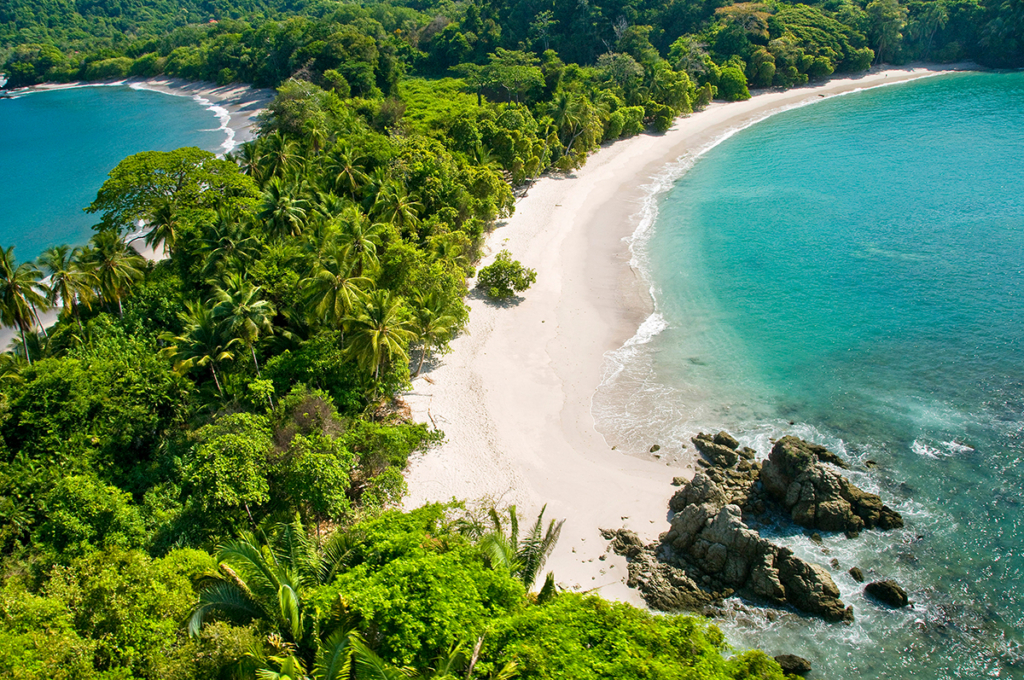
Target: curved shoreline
(235,106)
(514,396)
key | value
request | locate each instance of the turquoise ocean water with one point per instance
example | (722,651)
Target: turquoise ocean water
(56,148)
(856,268)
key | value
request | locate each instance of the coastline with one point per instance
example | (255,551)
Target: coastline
(235,105)
(514,396)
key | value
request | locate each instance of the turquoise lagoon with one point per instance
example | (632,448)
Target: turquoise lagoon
(853,272)
(56,148)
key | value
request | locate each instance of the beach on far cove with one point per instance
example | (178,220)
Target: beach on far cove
(514,395)
(236,105)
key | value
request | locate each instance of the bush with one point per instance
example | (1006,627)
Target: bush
(505,277)
(109,69)
(632,120)
(586,638)
(732,85)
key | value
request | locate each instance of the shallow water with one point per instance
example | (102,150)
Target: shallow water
(56,148)
(856,267)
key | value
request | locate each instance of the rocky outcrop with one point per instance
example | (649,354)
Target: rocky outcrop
(793,664)
(711,552)
(663,586)
(888,592)
(856,574)
(817,497)
(721,449)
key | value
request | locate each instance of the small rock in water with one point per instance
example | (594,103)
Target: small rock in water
(870,464)
(603,558)
(834,563)
(857,574)
(792,663)
(655,448)
(816,538)
(889,592)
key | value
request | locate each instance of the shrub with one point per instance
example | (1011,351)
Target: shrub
(732,85)
(505,277)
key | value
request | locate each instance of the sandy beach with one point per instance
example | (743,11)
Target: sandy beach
(236,105)
(514,395)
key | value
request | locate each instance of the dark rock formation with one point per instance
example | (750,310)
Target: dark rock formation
(711,552)
(718,454)
(888,592)
(710,548)
(857,574)
(817,497)
(794,664)
(663,586)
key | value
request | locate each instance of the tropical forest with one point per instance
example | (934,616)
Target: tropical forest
(201,461)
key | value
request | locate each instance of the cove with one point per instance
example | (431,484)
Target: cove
(57,146)
(851,272)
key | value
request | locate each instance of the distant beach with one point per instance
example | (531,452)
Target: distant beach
(235,105)
(514,395)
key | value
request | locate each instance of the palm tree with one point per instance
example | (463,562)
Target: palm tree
(432,324)
(202,342)
(283,213)
(163,225)
(279,156)
(116,265)
(245,317)
(248,158)
(227,240)
(360,240)
(522,557)
(316,132)
(346,171)
(10,369)
(334,287)
(268,583)
(395,205)
(71,281)
(20,295)
(380,332)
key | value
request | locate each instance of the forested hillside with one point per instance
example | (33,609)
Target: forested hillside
(266,41)
(199,463)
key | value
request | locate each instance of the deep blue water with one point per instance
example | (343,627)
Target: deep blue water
(56,148)
(856,267)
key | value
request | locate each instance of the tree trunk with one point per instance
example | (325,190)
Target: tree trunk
(120,308)
(423,355)
(35,313)
(24,343)
(215,380)
(78,316)
(252,349)
(251,520)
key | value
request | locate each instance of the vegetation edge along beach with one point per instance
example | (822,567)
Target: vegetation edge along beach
(203,457)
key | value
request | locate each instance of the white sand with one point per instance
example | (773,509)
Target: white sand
(514,395)
(235,105)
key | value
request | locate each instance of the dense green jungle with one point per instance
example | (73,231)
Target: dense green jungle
(201,461)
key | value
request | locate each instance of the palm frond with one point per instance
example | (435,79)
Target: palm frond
(369,666)
(334,657)
(223,600)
